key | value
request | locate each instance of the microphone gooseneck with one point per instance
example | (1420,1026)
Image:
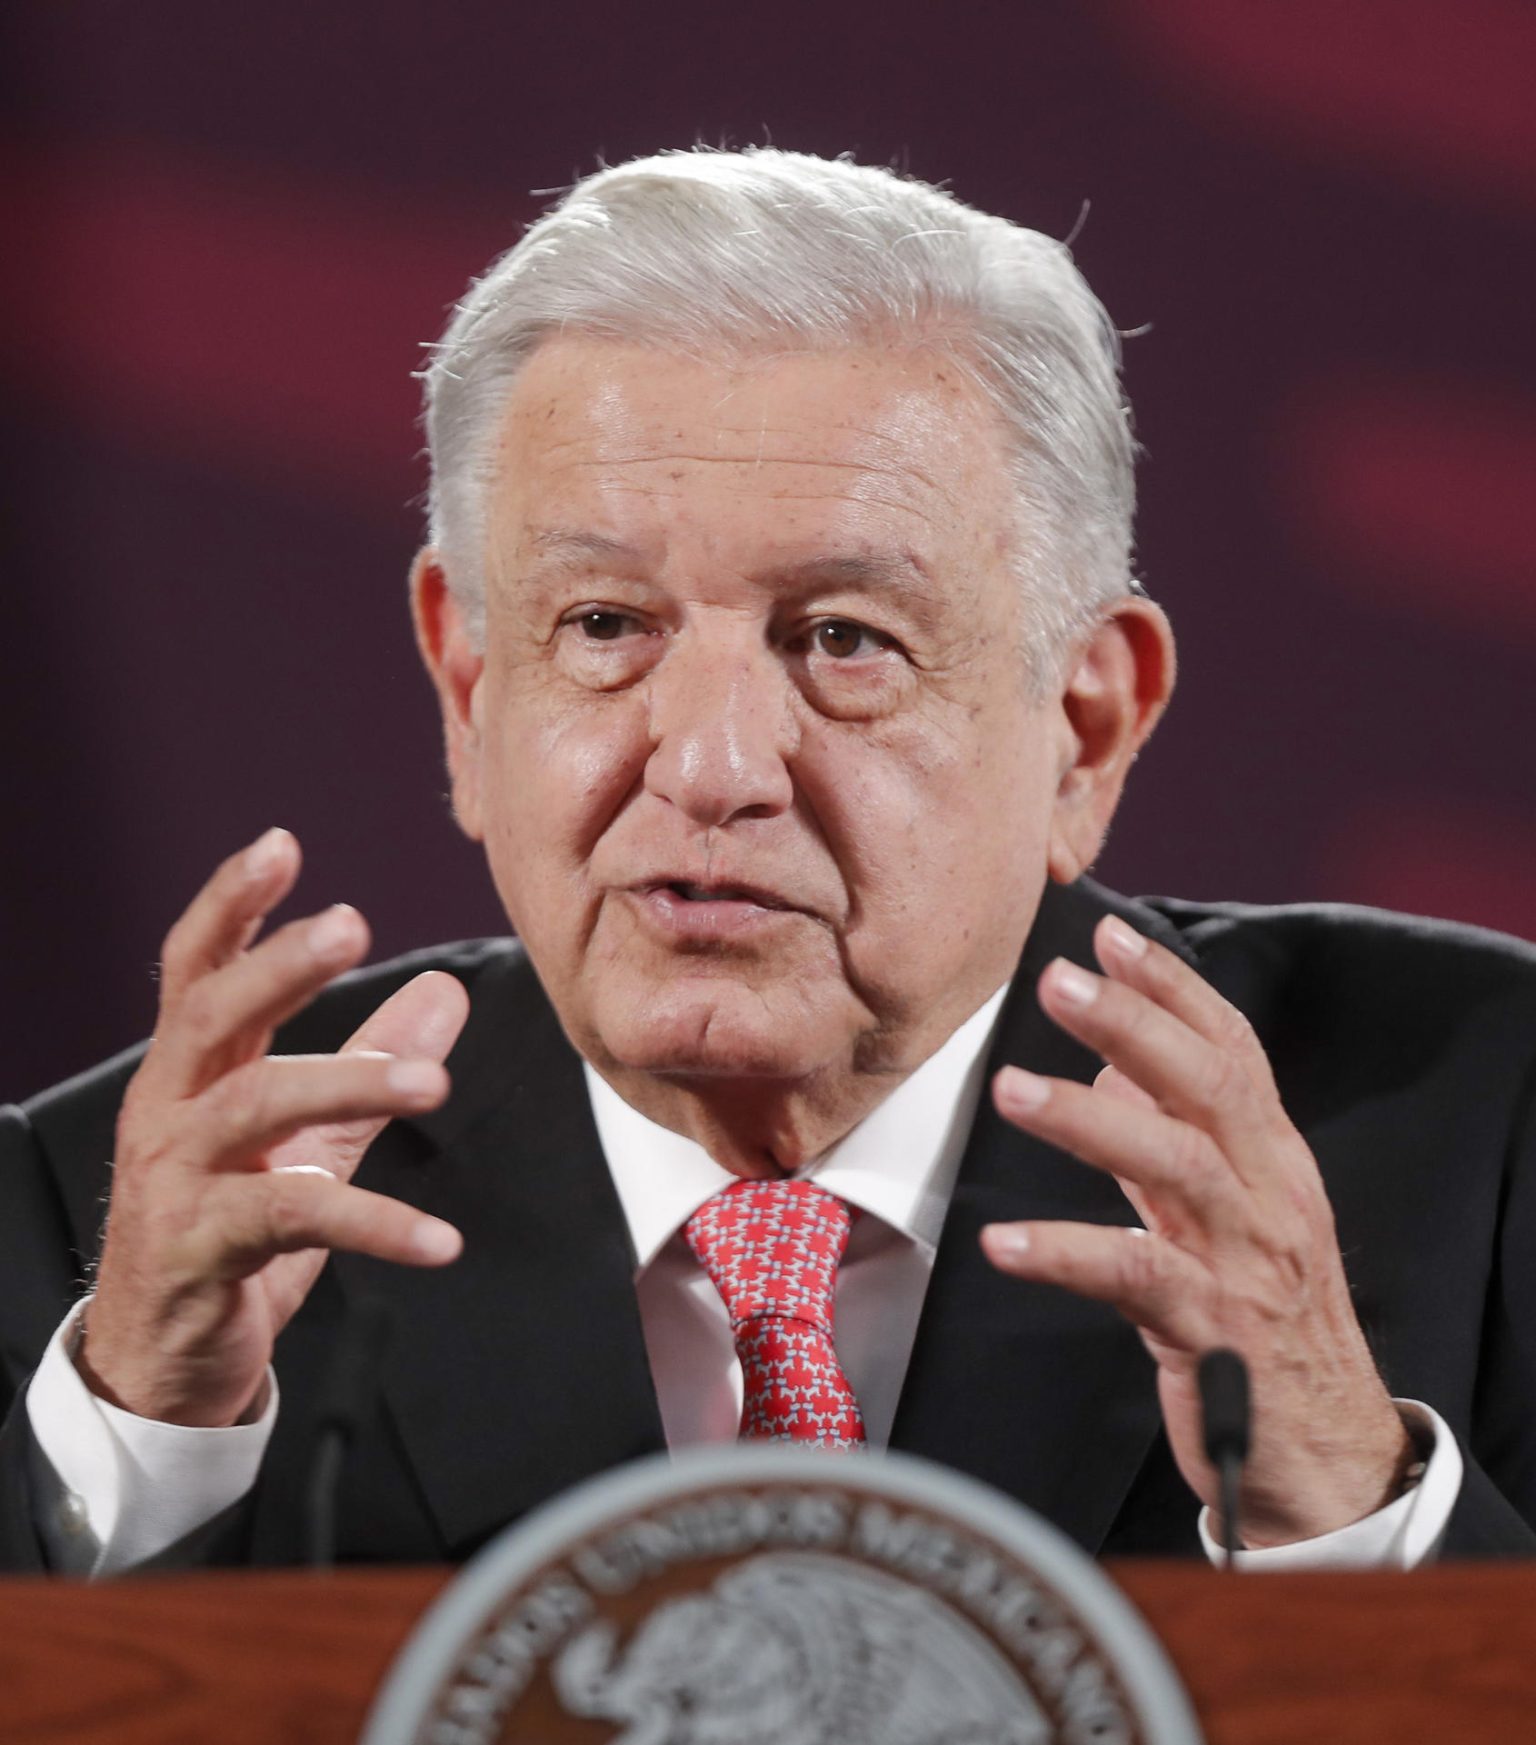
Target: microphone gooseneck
(1226,1410)
(353,1379)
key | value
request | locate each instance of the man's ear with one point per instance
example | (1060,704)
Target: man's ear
(455,664)
(1111,700)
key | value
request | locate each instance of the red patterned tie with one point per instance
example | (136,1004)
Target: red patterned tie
(772,1249)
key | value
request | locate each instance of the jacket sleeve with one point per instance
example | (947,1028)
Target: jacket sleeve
(40,1276)
(1495,1515)
(1484,1523)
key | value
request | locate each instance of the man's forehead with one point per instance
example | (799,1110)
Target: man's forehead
(584,401)
(856,469)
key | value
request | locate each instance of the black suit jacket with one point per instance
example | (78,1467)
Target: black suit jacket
(1404,1051)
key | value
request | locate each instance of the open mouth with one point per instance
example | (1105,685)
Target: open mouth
(690,914)
(691,893)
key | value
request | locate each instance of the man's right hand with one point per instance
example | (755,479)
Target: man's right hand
(231,1182)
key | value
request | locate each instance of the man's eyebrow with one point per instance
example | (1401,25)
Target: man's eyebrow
(883,569)
(571,543)
(880,569)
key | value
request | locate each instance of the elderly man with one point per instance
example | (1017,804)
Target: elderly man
(778,605)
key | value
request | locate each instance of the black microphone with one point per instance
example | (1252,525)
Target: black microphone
(1225,1408)
(353,1378)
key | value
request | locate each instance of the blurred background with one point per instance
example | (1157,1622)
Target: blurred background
(227,230)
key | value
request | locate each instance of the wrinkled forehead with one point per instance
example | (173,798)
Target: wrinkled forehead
(856,452)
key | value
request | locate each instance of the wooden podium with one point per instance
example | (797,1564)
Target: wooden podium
(288,1658)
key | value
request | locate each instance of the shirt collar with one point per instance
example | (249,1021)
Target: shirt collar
(899,1162)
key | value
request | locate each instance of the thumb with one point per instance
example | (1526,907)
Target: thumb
(420,1021)
(1111,1082)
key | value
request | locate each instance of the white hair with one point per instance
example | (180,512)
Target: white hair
(707,252)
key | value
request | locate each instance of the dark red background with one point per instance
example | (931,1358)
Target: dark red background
(226,230)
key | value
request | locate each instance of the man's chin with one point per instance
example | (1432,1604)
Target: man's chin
(733,1032)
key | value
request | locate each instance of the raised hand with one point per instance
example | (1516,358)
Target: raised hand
(232,1173)
(1239,1247)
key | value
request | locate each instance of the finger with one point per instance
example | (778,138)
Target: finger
(258,1216)
(1186,1177)
(1168,981)
(423,1019)
(223,917)
(1154,1284)
(1191,1078)
(256,1107)
(1111,1082)
(227,1017)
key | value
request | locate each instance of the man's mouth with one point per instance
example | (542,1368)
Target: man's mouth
(692,893)
(690,913)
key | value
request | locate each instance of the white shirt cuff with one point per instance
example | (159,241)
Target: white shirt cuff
(130,1487)
(1401,1536)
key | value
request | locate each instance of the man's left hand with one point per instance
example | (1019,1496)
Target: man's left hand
(1239,1247)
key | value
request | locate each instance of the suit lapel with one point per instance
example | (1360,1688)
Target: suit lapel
(522,1368)
(1047,1396)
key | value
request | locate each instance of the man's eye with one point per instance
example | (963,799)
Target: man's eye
(604,626)
(842,639)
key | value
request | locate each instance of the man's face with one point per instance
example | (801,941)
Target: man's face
(752,748)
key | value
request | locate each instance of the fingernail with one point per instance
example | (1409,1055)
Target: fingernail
(420,1080)
(434,1240)
(1022,1091)
(263,853)
(1072,984)
(1007,1241)
(332,934)
(1124,941)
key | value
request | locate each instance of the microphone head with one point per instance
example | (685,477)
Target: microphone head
(1224,1405)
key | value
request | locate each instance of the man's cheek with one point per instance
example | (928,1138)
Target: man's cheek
(886,832)
(602,756)
(567,771)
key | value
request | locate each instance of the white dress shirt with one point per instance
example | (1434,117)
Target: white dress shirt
(122,1489)
(897,1166)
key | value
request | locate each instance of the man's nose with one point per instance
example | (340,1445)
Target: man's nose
(722,731)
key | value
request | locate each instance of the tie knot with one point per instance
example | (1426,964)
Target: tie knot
(772,1248)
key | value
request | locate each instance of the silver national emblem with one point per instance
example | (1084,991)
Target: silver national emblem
(777,1596)
(799,1648)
